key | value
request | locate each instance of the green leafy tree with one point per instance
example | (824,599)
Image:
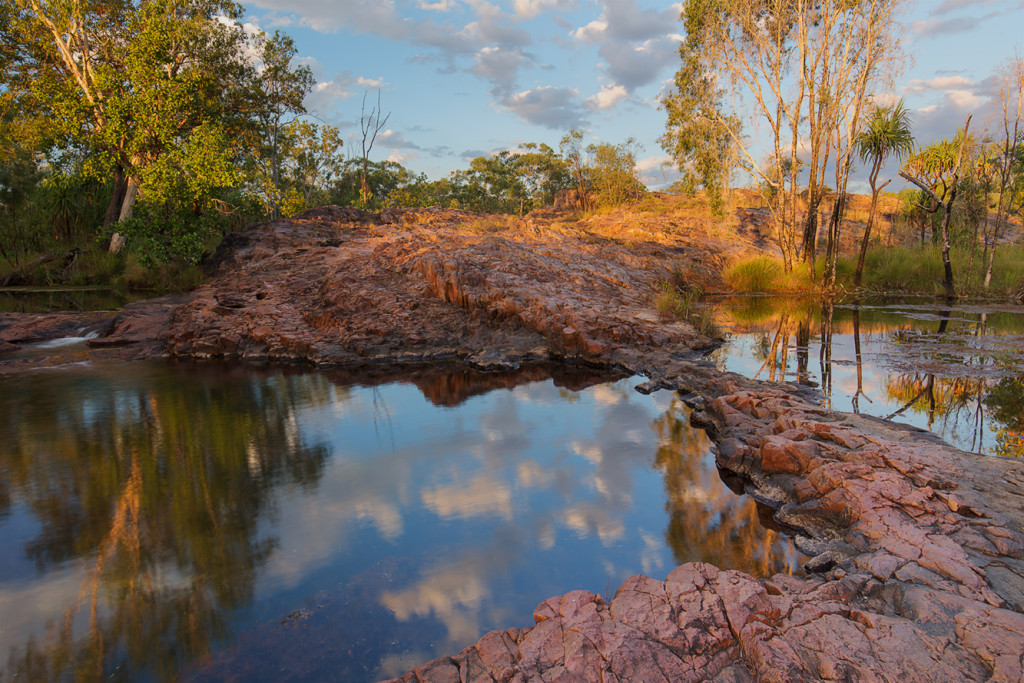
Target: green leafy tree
(278,90)
(612,172)
(1010,156)
(886,134)
(159,96)
(312,160)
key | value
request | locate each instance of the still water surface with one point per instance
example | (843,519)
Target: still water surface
(957,371)
(201,522)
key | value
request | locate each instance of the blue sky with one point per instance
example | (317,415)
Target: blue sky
(464,78)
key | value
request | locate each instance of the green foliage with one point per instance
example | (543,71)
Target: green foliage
(767,274)
(919,270)
(886,133)
(697,130)
(161,93)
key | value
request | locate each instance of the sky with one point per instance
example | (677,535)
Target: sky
(467,78)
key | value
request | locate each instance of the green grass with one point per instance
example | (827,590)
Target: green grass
(919,270)
(766,274)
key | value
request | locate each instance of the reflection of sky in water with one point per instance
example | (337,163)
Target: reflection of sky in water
(429,524)
(900,350)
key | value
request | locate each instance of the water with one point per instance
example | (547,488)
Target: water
(957,371)
(48,299)
(211,521)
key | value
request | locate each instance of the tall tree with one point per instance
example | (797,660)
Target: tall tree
(1010,161)
(158,94)
(936,171)
(279,87)
(801,69)
(887,133)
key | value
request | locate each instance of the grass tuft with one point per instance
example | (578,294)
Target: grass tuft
(763,273)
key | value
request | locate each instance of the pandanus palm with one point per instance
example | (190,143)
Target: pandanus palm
(887,133)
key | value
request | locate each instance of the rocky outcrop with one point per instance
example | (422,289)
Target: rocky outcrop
(342,286)
(918,549)
(333,286)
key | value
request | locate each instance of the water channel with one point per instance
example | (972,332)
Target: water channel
(209,521)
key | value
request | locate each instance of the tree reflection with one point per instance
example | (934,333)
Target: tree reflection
(936,367)
(153,486)
(1006,401)
(707,521)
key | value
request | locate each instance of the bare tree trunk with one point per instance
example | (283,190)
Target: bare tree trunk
(864,243)
(947,267)
(117,240)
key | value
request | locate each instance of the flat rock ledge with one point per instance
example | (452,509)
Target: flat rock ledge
(917,558)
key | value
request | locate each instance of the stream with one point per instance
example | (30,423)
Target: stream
(201,521)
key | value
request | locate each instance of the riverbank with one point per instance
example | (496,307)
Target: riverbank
(918,548)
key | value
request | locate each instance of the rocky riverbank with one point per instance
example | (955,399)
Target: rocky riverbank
(918,549)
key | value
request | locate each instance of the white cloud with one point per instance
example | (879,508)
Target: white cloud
(937,83)
(548,106)
(609,96)
(592,32)
(645,165)
(965,99)
(528,9)
(500,66)
(636,64)
(440,6)
(635,44)
(623,20)
(340,87)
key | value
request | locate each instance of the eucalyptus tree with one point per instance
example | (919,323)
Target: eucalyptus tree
(279,87)
(886,134)
(800,71)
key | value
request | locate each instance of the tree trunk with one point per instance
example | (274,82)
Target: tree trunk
(947,267)
(875,191)
(991,261)
(116,198)
(131,193)
(117,240)
(867,239)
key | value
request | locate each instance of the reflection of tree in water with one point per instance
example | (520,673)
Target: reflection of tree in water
(155,485)
(957,374)
(707,521)
(958,402)
(1006,401)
